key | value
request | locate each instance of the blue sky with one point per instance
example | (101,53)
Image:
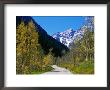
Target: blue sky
(54,24)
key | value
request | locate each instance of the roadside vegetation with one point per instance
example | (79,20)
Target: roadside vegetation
(32,59)
(80,58)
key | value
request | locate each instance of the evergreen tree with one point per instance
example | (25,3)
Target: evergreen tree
(29,52)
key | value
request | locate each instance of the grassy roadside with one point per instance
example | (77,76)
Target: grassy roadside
(86,67)
(49,68)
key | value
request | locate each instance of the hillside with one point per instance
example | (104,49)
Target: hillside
(70,51)
(46,41)
(69,36)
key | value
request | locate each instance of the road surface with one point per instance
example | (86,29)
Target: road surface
(58,70)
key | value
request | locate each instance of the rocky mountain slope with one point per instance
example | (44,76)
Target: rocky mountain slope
(69,36)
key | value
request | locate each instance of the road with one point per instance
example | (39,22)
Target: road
(58,70)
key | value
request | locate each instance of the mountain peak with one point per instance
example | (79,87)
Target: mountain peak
(69,30)
(69,36)
(64,37)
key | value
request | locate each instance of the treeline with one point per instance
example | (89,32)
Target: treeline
(30,56)
(46,41)
(80,59)
(36,51)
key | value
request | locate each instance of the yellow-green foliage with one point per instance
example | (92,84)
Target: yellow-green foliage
(80,59)
(30,58)
(48,59)
(86,67)
(29,55)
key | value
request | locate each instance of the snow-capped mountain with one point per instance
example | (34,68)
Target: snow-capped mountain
(65,37)
(69,36)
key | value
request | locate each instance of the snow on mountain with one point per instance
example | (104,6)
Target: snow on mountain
(69,36)
(65,37)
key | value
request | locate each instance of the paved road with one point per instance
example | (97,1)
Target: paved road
(58,70)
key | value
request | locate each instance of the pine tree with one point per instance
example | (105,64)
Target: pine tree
(29,52)
(21,47)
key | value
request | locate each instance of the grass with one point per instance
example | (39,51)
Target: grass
(86,67)
(46,69)
(38,72)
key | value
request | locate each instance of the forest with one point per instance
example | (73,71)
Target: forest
(36,51)
(80,59)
